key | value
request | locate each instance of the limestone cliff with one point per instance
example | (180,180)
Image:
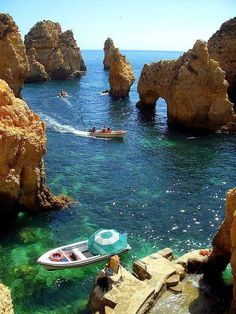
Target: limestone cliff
(13,59)
(108,48)
(6,306)
(222,48)
(224,244)
(121,75)
(52,53)
(22,146)
(193,86)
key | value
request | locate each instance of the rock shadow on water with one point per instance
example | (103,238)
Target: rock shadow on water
(120,108)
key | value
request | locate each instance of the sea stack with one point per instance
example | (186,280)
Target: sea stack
(52,54)
(22,146)
(6,305)
(108,48)
(222,48)
(193,86)
(13,59)
(121,75)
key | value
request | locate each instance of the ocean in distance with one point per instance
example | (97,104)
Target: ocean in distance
(165,187)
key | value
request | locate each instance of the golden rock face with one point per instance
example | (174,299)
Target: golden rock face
(22,146)
(108,48)
(222,48)
(52,54)
(13,60)
(6,305)
(121,75)
(193,86)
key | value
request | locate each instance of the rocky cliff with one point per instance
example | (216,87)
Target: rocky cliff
(222,48)
(13,59)
(193,86)
(52,54)
(121,75)
(6,306)
(108,48)
(22,146)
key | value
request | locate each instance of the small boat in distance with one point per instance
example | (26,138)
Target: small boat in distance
(107,133)
(100,246)
(63,93)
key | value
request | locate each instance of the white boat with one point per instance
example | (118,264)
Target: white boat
(83,253)
(110,134)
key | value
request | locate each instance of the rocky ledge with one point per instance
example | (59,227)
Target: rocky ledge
(6,306)
(13,60)
(22,146)
(52,54)
(193,86)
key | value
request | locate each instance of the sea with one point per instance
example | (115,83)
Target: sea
(164,187)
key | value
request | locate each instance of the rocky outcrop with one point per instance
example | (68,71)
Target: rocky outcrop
(224,244)
(222,48)
(121,75)
(108,48)
(22,146)
(194,88)
(6,306)
(52,54)
(13,59)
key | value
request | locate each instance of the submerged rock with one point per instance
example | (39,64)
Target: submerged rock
(222,48)
(6,305)
(193,86)
(52,54)
(22,146)
(13,60)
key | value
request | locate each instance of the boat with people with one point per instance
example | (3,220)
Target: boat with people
(107,133)
(101,245)
(63,93)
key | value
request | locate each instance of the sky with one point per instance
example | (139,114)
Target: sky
(132,24)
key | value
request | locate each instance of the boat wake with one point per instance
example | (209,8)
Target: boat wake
(63,128)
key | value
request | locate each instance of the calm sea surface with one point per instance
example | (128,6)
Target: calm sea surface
(164,187)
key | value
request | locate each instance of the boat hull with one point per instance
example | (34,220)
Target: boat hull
(112,134)
(81,250)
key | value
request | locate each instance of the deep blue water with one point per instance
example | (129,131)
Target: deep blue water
(164,187)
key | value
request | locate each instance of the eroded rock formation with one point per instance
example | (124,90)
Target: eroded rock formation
(22,146)
(222,48)
(13,60)
(108,48)
(193,86)
(121,75)
(52,54)
(6,305)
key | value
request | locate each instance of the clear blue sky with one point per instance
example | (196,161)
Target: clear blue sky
(132,24)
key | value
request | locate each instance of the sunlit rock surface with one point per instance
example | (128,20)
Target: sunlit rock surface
(121,75)
(222,48)
(22,146)
(6,306)
(54,50)
(108,48)
(13,60)
(193,86)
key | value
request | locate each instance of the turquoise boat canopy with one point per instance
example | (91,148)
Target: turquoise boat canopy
(107,241)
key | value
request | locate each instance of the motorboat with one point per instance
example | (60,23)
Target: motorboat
(63,94)
(100,246)
(108,134)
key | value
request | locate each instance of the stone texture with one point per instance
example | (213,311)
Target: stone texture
(121,75)
(108,48)
(222,48)
(22,146)
(6,306)
(54,50)
(13,60)
(193,86)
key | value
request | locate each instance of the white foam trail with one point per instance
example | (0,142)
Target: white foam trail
(63,128)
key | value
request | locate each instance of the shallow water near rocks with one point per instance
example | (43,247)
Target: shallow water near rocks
(166,188)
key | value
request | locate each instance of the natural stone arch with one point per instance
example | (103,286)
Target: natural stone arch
(193,86)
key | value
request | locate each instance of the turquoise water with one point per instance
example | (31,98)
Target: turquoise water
(164,187)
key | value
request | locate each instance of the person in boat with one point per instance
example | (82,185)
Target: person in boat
(109,130)
(104,129)
(63,93)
